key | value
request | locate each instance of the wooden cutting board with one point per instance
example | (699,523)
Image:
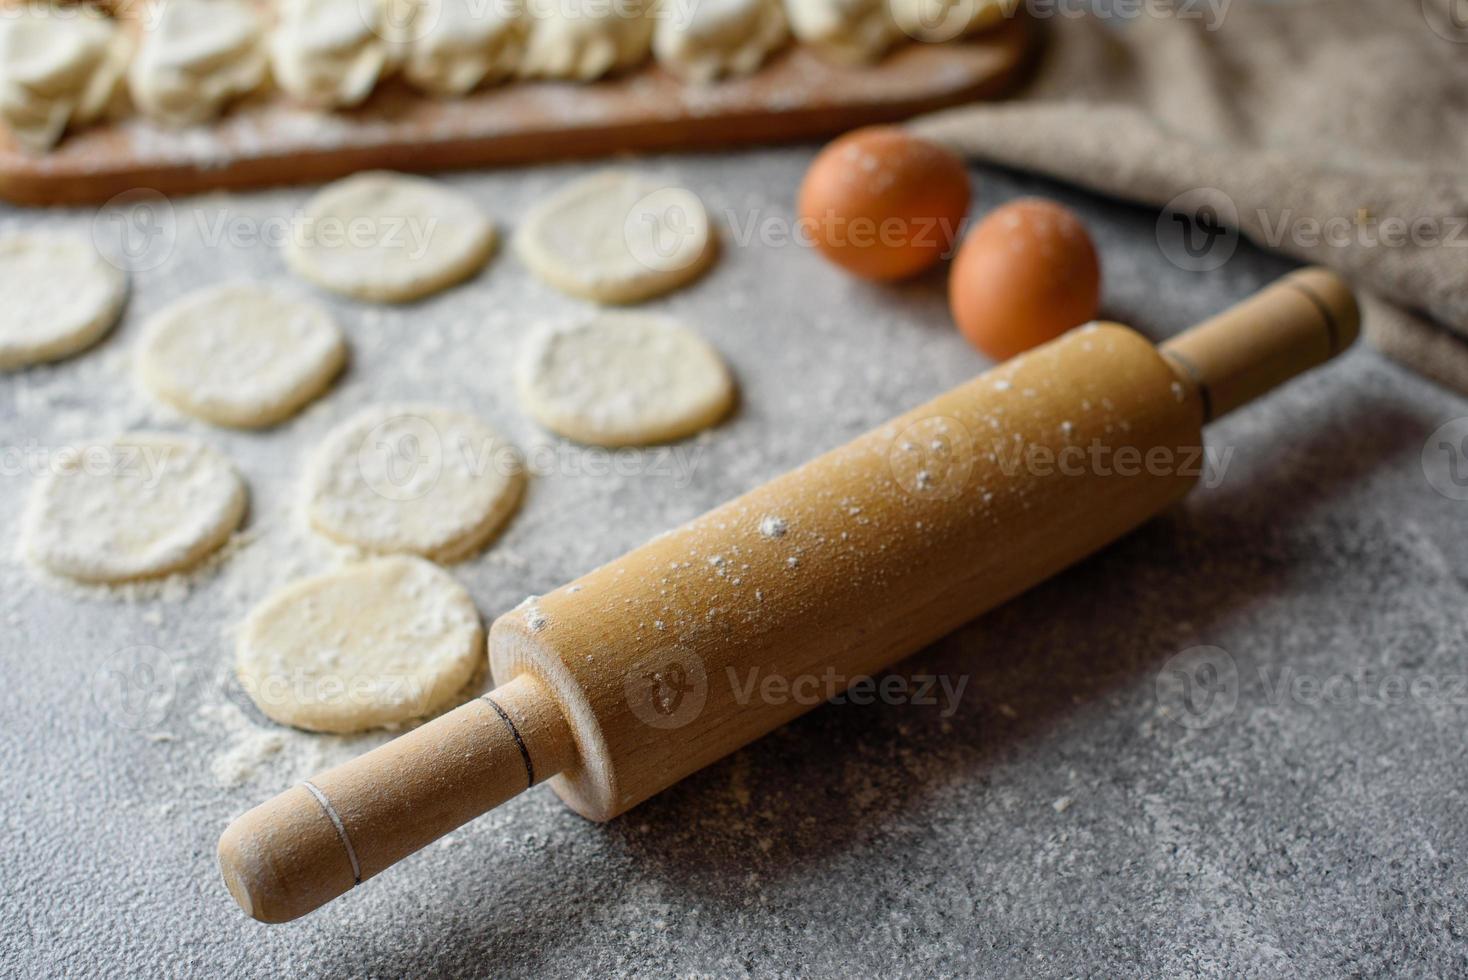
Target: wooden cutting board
(271,141)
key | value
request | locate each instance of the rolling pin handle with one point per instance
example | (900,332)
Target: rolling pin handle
(1298,323)
(308,845)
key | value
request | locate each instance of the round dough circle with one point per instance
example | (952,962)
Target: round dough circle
(134,507)
(624,379)
(240,354)
(367,645)
(61,297)
(413,479)
(389,238)
(617,237)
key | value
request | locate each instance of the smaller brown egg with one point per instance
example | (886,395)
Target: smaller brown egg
(883,204)
(1025,275)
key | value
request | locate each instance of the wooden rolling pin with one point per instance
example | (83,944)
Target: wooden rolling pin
(620,684)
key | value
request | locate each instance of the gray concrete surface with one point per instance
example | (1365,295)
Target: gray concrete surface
(1072,817)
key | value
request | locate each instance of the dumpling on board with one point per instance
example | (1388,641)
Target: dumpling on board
(198,56)
(59,67)
(701,40)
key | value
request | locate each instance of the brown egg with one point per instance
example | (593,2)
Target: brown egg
(1025,275)
(883,204)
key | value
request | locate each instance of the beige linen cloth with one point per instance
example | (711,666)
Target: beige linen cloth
(1353,113)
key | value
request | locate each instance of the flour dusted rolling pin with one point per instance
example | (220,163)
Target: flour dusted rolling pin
(634,676)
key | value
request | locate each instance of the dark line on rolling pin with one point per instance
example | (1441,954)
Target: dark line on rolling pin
(341,829)
(1204,395)
(1332,330)
(519,742)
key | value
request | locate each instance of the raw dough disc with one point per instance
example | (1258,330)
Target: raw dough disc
(133,507)
(413,479)
(624,379)
(368,645)
(389,238)
(617,237)
(240,354)
(60,297)
(719,37)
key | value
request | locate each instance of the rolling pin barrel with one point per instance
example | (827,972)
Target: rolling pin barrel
(645,670)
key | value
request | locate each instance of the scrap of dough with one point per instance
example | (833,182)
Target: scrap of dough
(617,237)
(413,479)
(241,355)
(60,297)
(133,507)
(460,44)
(586,39)
(624,379)
(57,68)
(850,32)
(389,238)
(366,646)
(936,21)
(198,56)
(711,38)
(330,53)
